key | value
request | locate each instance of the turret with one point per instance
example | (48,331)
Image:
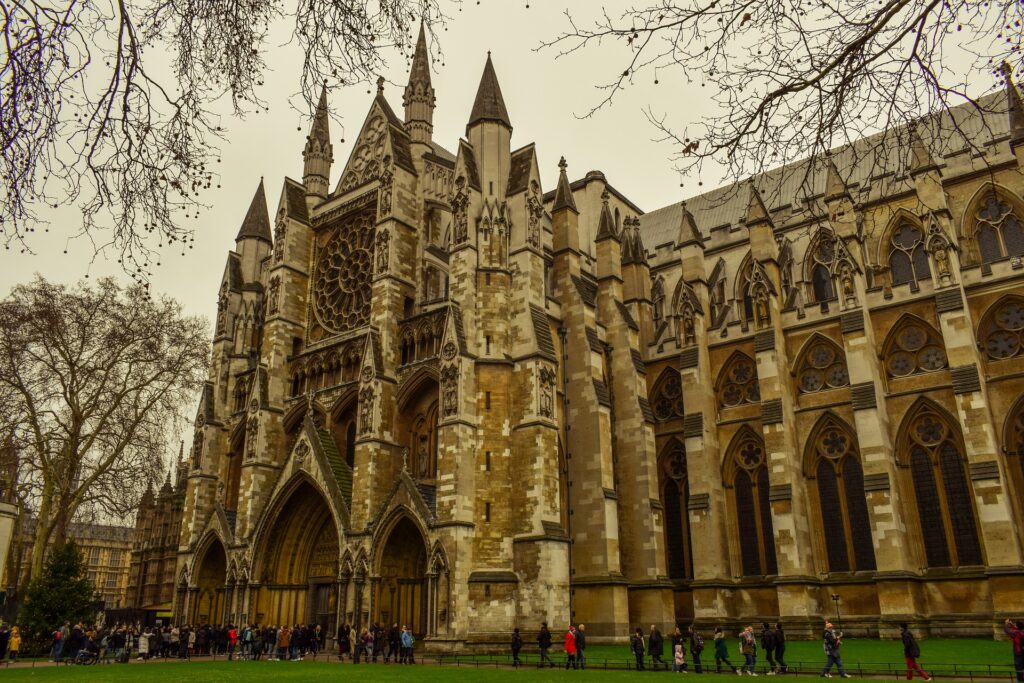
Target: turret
(253,241)
(419,94)
(490,133)
(318,155)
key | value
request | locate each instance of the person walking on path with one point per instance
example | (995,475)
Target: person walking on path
(722,652)
(678,651)
(780,649)
(748,648)
(570,648)
(833,642)
(517,645)
(911,651)
(656,648)
(768,646)
(1016,633)
(544,644)
(636,644)
(696,647)
(581,646)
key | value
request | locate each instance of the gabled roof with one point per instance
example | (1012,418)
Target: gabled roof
(257,221)
(489,105)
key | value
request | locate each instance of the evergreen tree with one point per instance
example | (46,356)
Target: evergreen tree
(61,592)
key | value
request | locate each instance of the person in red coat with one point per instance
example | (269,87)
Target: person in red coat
(570,647)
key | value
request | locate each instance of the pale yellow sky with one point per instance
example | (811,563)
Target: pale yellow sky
(543,96)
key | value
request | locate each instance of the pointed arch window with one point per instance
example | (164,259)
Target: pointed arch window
(933,449)
(835,464)
(675,498)
(822,367)
(913,347)
(752,507)
(667,397)
(908,260)
(738,384)
(1002,329)
(999,229)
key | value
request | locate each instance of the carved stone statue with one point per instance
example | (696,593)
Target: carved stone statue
(535,211)
(460,205)
(383,251)
(761,309)
(387,182)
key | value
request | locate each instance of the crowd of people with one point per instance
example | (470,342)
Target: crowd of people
(86,644)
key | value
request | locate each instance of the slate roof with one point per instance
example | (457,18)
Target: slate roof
(489,104)
(339,468)
(953,138)
(295,200)
(519,170)
(256,224)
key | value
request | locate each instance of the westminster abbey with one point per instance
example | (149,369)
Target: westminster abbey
(446,396)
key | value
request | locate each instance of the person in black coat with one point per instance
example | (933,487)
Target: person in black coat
(581,645)
(544,643)
(517,645)
(768,646)
(636,644)
(780,649)
(656,648)
(911,651)
(394,643)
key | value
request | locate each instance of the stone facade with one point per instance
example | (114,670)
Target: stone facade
(442,397)
(154,556)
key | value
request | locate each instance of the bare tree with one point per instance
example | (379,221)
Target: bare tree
(793,79)
(111,104)
(96,377)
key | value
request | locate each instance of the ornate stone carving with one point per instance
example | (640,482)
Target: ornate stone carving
(367,373)
(365,163)
(280,232)
(383,251)
(252,430)
(535,212)
(460,206)
(450,390)
(301,451)
(272,295)
(197,450)
(387,182)
(341,281)
(366,396)
(254,406)
(449,351)
(939,246)
(546,394)
(222,310)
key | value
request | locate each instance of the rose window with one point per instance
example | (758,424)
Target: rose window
(914,348)
(1003,332)
(341,282)
(823,367)
(833,443)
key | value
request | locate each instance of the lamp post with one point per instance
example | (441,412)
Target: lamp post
(839,619)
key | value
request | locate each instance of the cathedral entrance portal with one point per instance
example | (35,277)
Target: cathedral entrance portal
(401,589)
(209,603)
(298,569)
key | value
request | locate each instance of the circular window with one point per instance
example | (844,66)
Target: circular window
(837,376)
(812,379)
(901,364)
(341,282)
(1011,317)
(913,337)
(931,357)
(1002,344)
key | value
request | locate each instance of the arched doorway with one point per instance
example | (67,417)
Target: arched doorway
(297,570)
(211,575)
(401,589)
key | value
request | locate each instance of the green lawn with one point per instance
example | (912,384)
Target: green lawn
(938,657)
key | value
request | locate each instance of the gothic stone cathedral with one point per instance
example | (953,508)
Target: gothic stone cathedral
(443,397)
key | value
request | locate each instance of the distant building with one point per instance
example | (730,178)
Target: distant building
(105,547)
(155,554)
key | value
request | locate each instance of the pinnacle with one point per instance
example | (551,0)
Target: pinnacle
(489,104)
(257,221)
(563,193)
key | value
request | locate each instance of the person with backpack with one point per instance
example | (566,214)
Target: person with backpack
(1016,633)
(832,642)
(768,646)
(748,648)
(696,647)
(780,649)
(911,651)
(722,651)
(517,645)
(636,646)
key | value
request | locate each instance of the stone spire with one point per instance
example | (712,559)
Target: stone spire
(757,212)
(318,153)
(257,221)
(1014,106)
(633,250)
(489,105)
(563,193)
(606,224)
(419,94)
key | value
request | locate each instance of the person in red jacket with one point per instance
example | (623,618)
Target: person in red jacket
(1016,633)
(570,647)
(232,641)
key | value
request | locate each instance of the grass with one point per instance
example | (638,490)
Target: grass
(937,657)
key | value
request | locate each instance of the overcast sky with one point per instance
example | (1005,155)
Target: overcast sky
(544,96)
